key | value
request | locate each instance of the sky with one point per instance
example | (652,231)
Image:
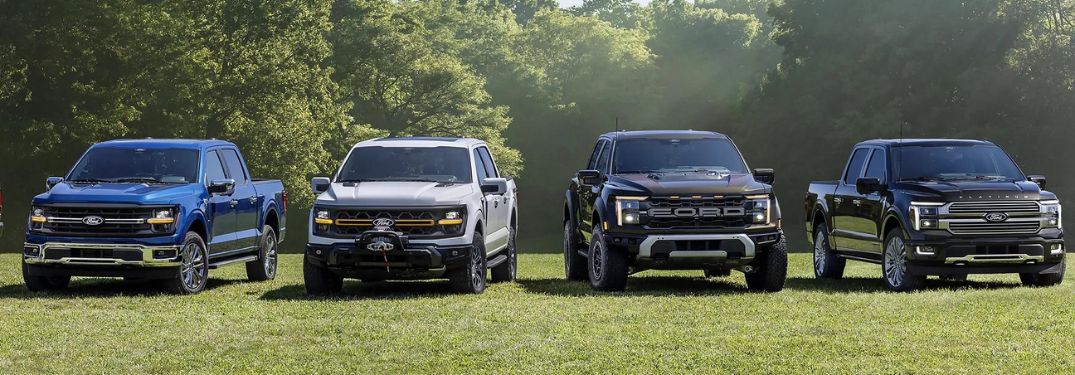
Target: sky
(571,3)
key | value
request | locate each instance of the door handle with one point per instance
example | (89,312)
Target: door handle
(856,202)
(234,203)
(837,200)
(254,200)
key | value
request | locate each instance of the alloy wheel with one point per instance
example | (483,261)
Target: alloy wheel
(597,259)
(270,254)
(895,261)
(477,268)
(820,251)
(193,268)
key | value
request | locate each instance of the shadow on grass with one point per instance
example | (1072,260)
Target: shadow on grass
(105,287)
(876,285)
(639,286)
(353,289)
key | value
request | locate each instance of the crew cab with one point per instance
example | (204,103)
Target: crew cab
(154,209)
(413,208)
(936,207)
(671,200)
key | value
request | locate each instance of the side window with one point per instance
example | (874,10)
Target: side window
(490,168)
(595,155)
(876,167)
(214,170)
(602,161)
(854,167)
(479,166)
(235,167)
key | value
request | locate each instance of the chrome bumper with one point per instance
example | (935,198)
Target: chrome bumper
(645,249)
(147,255)
(995,259)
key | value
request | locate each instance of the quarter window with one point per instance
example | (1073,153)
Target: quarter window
(214,170)
(602,161)
(596,154)
(490,168)
(854,168)
(235,167)
(876,167)
(479,166)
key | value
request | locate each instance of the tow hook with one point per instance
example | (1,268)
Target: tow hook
(748,269)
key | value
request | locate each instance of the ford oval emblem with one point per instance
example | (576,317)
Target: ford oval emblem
(383,223)
(996,217)
(93,220)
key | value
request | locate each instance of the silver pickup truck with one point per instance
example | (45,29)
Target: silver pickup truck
(413,208)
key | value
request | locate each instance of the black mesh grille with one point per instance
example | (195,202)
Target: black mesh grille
(412,223)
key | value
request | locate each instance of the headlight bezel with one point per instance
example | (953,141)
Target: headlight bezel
(628,209)
(761,211)
(1052,214)
(925,215)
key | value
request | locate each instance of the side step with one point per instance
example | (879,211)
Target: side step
(222,263)
(496,261)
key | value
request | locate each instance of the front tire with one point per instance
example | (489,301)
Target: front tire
(574,263)
(43,283)
(1043,279)
(319,280)
(827,265)
(470,279)
(193,270)
(896,272)
(264,268)
(772,268)
(607,266)
(506,272)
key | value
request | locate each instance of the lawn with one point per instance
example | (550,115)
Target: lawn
(667,322)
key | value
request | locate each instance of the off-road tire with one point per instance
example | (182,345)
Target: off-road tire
(827,265)
(574,263)
(607,266)
(264,268)
(470,279)
(319,280)
(770,268)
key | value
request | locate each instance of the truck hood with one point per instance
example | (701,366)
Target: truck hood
(395,194)
(128,193)
(689,184)
(952,191)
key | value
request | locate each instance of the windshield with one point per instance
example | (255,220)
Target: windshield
(109,164)
(433,164)
(979,162)
(655,155)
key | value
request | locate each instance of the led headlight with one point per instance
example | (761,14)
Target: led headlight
(628,210)
(760,209)
(164,216)
(1052,214)
(925,215)
(451,218)
(321,217)
(37,215)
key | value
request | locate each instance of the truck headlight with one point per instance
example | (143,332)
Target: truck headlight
(451,218)
(1053,214)
(759,209)
(162,217)
(321,217)
(628,210)
(925,215)
(37,215)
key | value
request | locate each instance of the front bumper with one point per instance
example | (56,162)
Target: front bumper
(694,250)
(411,261)
(933,254)
(97,259)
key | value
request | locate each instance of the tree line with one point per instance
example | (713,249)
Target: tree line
(296,83)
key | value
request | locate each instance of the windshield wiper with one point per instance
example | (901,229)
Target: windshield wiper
(152,180)
(923,178)
(88,181)
(638,172)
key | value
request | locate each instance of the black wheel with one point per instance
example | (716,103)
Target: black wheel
(193,271)
(827,265)
(574,263)
(770,268)
(506,272)
(1043,279)
(264,268)
(319,279)
(895,269)
(607,266)
(717,272)
(471,278)
(43,283)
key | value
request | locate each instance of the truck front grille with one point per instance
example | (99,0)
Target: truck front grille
(988,207)
(685,205)
(412,223)
(117,221)
(1021,217)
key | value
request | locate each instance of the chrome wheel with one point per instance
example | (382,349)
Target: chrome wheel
(270,254)
(895,262)
(597,256)
(193,269)
(821,250)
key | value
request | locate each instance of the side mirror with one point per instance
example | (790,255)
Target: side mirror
(765,175)
(589,177)
(222,187)
(52,181)
(868,185)
(1037,179)
(320,184)
(495,186)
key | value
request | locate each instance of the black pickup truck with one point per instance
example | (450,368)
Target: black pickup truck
(936,207)
(671,200)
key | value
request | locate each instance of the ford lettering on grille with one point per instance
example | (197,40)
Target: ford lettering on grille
(700,212)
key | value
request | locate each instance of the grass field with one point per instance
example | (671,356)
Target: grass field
(666,323)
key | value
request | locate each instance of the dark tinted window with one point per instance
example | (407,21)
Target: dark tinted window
(487,159)
(214,169)
(979,162)
(111,164)
(854,168)
(876,167)
(235,167)
(376,163)
(602,161)
(670,154)
(596,154)
(479,166)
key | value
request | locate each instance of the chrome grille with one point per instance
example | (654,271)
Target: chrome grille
(999,206)
(984,227)
(118,221)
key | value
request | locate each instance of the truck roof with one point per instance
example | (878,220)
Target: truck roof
(924,142)
(170,143)
(421,142)
(663,134)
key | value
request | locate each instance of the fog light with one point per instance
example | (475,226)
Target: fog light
(925,250)
(630,218)
(928,224)
(1056,248)
(759,217)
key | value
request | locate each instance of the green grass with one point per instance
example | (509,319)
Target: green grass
(668,322)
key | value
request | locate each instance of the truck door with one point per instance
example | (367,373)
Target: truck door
(220,213)
(846,202)
(245,200)
(869,211)
(496,235)
(588,194)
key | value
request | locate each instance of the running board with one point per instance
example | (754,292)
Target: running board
(858,258)
(248,258)
(496,261)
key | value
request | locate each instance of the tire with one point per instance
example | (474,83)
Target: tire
(264,268)
(43,283)
(717,272)
(1043,279)
(506,272)
(827,265)
(607,267)
(193,271)
(319,280)
(470,279)
(894,265)
(574,263)
(771,268)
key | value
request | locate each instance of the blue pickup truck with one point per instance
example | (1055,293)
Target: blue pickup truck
(154,209)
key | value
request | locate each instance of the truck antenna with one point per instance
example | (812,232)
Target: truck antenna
(617,124)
